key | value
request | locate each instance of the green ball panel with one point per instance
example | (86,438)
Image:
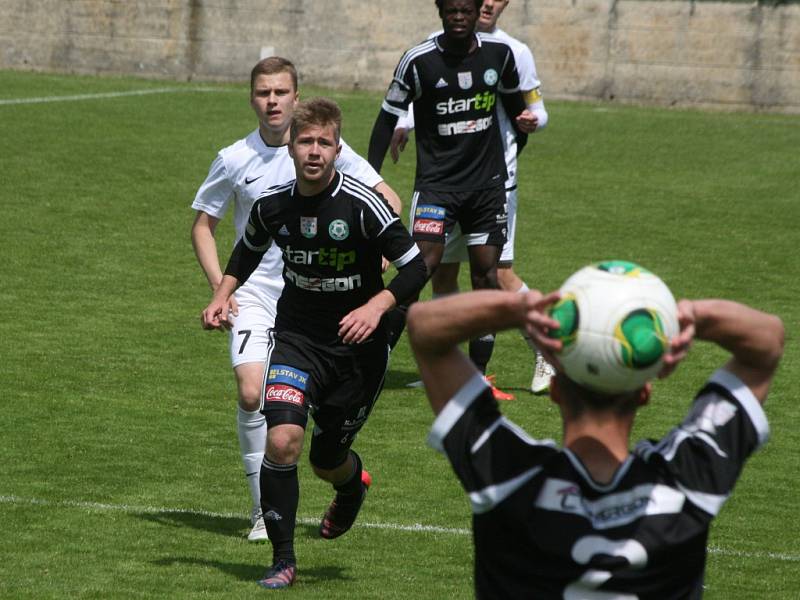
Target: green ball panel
(621,267)
(565,311)
(641,335)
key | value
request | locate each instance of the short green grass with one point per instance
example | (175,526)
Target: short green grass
(120,474)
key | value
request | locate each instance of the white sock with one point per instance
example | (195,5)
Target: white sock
(524,290)
(252,427)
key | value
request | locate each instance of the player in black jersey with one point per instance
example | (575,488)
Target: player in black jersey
(455,81)
(329,352)
(594,519)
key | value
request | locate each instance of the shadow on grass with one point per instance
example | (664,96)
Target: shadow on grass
(254,572)
(400,379)
(227,526)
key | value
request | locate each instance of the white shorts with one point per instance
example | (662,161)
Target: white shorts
(248,336)
(455,247)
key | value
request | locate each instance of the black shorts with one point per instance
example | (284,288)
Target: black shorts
(482,215)
(337,385)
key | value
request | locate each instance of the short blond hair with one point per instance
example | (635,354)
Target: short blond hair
(271,66)
(319,112)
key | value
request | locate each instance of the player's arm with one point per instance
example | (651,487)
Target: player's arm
(754,338)
(400,135)
(396,244)
(435,329)
(210,204)
(395,105)
(385,190)
(205,247)
(381,138)
(246,256)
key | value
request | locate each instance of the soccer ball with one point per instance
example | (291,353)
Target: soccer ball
(616,319)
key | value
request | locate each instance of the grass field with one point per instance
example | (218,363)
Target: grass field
(120,475)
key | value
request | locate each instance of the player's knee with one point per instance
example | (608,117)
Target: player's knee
(248,380)
(445,279)
(284,444)
(486,280)
(250,396)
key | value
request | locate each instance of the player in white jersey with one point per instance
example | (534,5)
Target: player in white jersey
(238,175)
(445,279)
(594,519)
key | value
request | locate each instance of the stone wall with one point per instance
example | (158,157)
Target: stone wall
(738,56)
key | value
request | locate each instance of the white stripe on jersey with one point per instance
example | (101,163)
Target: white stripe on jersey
(611,510)
(711,503)
(406,258)
(486,499)
(454,409)
(513,428)
(410,55)
(392,110)
(748,401)
(372,201)
(276,189)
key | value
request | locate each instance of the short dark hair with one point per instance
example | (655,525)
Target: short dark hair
(272,65)
(318,111)
(579,398)
(440,4)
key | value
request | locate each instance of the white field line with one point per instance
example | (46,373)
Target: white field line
(77,97)
(415,528)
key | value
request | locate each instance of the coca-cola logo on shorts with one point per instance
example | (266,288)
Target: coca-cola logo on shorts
(428,226)
(283,393)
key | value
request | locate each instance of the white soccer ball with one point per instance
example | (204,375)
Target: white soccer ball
(616,320)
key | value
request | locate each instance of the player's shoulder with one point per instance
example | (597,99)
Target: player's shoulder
(241,148)
(366,198)
(425,47)
(270,197)
(490,41)
(519,47)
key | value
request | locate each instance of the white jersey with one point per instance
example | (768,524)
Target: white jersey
(528,81)
(239,174)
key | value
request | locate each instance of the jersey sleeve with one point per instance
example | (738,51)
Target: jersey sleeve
(216,192)
(490,455)
(350,163)
(509,78)
(707,451)
(526,69)
(254,243)
(403,89)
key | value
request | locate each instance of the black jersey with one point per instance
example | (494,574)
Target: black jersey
(459,146)
(332,245)
(544,529)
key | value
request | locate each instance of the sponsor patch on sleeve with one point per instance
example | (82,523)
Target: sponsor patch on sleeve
(288,375)
(396,93)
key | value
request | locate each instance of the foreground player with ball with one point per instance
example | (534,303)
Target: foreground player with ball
(594,518)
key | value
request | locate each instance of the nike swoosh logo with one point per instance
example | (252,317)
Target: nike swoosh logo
(248,181)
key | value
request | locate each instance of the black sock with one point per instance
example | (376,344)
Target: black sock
(280,495)
(351,487)
(480,351)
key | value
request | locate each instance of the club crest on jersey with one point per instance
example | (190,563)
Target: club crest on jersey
(308,226)
(338,230)
(490,77)
(465,80)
